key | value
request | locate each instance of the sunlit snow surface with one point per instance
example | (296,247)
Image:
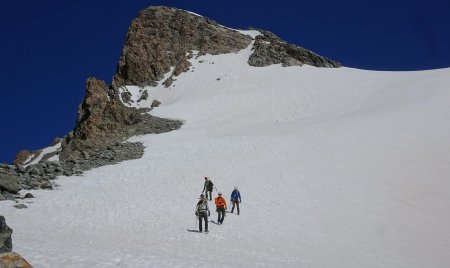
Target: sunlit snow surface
(336,167)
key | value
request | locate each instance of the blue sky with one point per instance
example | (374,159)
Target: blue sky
(51,47)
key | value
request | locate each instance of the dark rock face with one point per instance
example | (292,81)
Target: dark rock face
(104,121)
(269,49)
(5,236)
(160,38)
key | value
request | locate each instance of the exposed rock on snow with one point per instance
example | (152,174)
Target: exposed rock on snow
(5,236)
(112,154)
(155,103)
(160,37)
(144,96)
(13,260)
(270,49)
(104,121)
(41,175)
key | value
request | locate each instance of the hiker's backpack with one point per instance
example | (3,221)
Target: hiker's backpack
(202,206)
(235,194)
(210,185)
(220,202)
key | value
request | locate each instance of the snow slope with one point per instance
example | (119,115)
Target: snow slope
(336,167)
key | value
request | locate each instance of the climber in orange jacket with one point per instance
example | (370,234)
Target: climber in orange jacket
(221,206)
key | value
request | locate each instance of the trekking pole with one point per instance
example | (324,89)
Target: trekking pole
(196,219)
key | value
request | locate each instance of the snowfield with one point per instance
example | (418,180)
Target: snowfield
(336,168)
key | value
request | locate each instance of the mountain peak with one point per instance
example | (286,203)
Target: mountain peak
(160,42)
(161,38)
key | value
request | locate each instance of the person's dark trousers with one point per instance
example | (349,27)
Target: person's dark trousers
(210,194)
(220,214)
(202,216)
(235,202)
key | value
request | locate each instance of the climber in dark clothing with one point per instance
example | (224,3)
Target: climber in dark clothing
(202,212)
(208,187)
(235,199)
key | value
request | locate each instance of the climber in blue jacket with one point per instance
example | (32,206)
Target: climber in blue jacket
(235,199)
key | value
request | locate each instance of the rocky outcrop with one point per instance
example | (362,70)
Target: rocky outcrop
(5,236)
(269,49)
(161,37)
(41,175)
(37,176)
(110,155)
(104,121)
(13,260)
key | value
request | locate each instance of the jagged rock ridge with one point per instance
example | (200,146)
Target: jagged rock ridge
(269,49)
(163,37)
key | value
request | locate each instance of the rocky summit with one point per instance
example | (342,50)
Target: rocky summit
(163,37)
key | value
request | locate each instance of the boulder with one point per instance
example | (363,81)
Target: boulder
(13,260)
(144,96)
(156,103)
(9,183)
(5,236)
